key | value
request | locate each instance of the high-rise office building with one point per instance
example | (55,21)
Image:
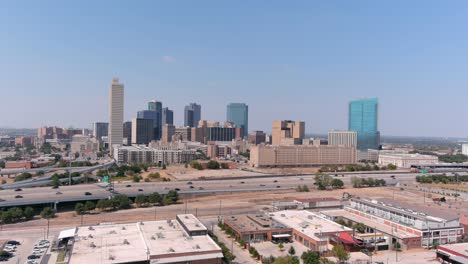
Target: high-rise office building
(363,118)
(167,133)
(127,132)
(192,114)
(154,105)
(238,113)
(257,137)
(167,116)
(142,131)
(100,129)
(154,113)
(287,132)
(116,113)
(342,138)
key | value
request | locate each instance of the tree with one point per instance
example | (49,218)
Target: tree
(136,178)
(391,167)
(89,206)
(79,208)
(28,213)
(310,257)
(340,252)
(337,183)
(196,165)
(171,197)
(322,181)
(154,175)
(47,213)
(40,173)
(224,166)
(291,251)
(155,198)
(356,182)
(140,200)
(280,246)
(103,204)
(213,165)
(359,227)
(55,181)
(2,164)
(164,166)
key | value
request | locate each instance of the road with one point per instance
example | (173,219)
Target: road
(47,195)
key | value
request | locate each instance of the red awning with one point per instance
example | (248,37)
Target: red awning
(347,239)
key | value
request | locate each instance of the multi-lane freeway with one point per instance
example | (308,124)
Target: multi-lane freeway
(47,195)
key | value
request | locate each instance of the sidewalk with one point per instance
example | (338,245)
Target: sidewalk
(242,255)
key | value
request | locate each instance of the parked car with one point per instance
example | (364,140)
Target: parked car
(13,242)
(18,196)
(88,193)
(366,251)
(140,190)
(34,257)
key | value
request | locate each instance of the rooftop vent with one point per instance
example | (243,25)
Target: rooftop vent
(112,232)
(124,228)
(186,217)
(126,242)
(161,228)
(111,257)
(153,238)
(171,250)
(90,236)
(90,228)
(197,246)
(92,245)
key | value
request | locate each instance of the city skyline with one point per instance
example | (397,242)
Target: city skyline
(407,55)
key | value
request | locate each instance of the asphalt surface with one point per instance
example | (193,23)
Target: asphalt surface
(47,195)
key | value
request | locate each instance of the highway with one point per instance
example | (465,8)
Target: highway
(50,169)
(46,179)
(47,195)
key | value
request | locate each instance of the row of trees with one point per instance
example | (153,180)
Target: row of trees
(441,178)
(23,176)
(18,214)
(356,167)
(228,257)
(211,165)
(325,181)
(359,182)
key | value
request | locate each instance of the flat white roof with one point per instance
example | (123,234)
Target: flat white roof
(67,233)
(119,243)
(308,223)
(191,222)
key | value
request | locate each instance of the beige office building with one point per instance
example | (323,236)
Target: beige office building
(287,132)
(167,132)
(301,155)
(116,112)
(342,138)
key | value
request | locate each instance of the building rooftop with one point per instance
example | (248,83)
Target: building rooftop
(370,223)
(407,155)
(251,222)
(191,222)
(164,241)
(429,212)
(308,223)
(460,250)
(312,200)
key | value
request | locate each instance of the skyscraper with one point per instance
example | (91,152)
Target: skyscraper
(142,131)
(167,117)
(100,129)
(156,106)
(238,113)
(342,138)
(116,112)
(153,115)
(127,132)
(363,118)
(192,114)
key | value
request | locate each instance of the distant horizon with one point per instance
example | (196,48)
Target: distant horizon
(300,60)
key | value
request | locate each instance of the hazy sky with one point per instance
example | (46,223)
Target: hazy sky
(301,60)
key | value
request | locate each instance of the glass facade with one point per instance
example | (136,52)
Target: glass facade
(363,118)
(238,113)
(192,114)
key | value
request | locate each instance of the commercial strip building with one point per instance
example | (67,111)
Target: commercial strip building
(183,240)
(148,154)
(309,204)
(310,229)
(301,155)
(404,160)
(453,254)
(410,225)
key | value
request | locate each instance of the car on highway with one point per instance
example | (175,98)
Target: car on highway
(88,193)
(177,189)
(140,190)
(201,188)
(278,186)
(128,185)
(18,196)
(13,242)
(18,190)
(393,176)
(189,182)
(262,185)
(242,182)
(275,181)
(58,193)
(191,187)
(301,179)
(55,187)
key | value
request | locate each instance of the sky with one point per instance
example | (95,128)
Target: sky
(297,60)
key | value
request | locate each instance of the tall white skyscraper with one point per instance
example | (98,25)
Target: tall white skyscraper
(116,112)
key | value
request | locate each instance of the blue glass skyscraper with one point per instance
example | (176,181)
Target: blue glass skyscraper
(238,113)
(363,118)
